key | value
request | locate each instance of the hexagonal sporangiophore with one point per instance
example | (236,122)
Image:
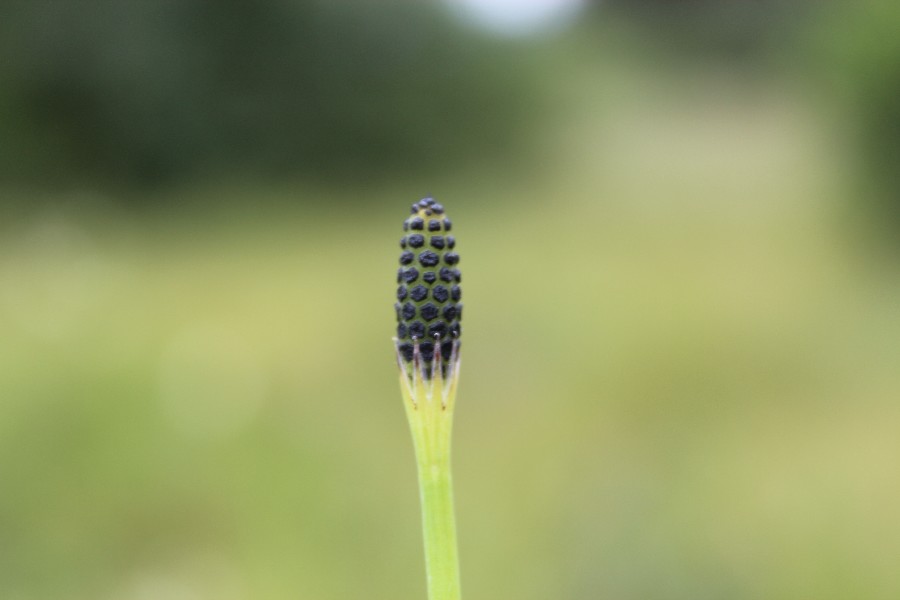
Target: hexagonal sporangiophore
(428,321)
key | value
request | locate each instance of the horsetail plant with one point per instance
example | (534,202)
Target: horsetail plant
(427,343)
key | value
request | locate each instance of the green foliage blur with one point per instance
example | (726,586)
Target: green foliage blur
(142,93)
(681,346)
(860,63)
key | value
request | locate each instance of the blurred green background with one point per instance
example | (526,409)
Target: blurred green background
(678,226)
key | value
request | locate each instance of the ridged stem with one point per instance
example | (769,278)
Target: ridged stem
(431,424)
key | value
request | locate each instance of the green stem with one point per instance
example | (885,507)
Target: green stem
(431,427)
(439,527)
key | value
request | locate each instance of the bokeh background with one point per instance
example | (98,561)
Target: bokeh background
(678,223)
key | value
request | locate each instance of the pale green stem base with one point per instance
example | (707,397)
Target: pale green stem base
(431,422)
